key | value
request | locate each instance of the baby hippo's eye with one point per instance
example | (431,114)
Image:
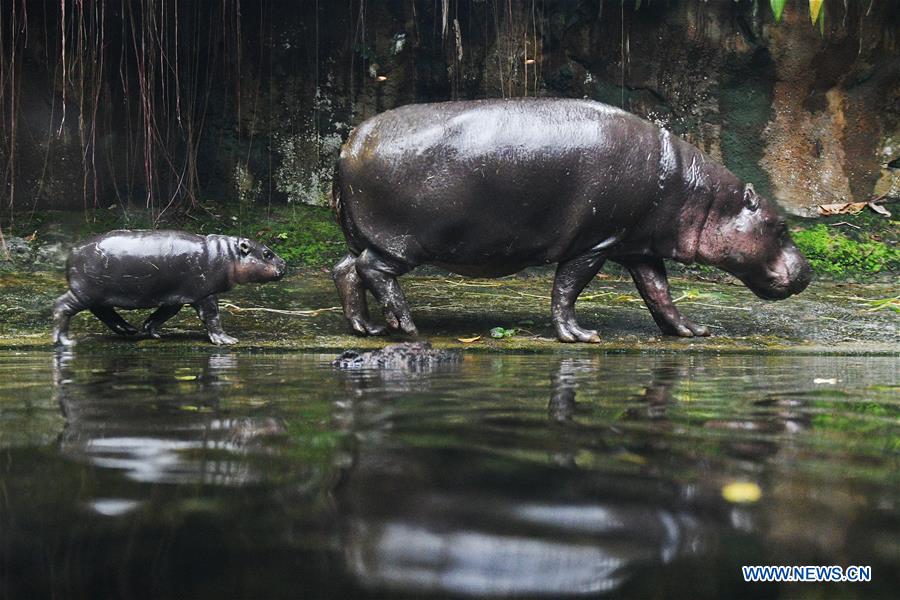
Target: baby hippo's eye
(268,255)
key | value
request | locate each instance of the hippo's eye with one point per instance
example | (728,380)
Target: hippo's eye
(268,255)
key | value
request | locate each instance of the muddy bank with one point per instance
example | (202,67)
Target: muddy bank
(827,318)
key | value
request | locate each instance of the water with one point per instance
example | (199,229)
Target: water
(211,475)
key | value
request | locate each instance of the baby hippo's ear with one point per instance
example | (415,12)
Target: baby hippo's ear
(244,247)
(751,198)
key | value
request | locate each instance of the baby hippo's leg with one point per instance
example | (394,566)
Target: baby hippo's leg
(208,311)
(113,320)
(649,276)
(158,317)
(65,307)
(571,278)
(353,296)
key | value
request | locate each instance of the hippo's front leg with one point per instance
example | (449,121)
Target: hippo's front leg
(571,278)
(649,276)
(208,311)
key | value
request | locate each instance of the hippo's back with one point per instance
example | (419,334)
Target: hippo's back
(138,268)
(505,182)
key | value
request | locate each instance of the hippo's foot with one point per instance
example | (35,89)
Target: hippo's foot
(364,327)
(398,323)
(649,276)
(62,339)
(65,307)
(571,278)
(683,327)
(570,332)
(208,311)
(162,314)
(222,339)
(353,297)
(379,274)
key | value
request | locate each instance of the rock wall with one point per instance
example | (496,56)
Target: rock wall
(810,117)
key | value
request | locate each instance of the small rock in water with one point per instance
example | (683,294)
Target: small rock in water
(409,355)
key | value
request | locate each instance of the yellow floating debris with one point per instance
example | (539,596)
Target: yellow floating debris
(741,492)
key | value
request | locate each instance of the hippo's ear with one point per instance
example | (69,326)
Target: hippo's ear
(751,198)
(244,247)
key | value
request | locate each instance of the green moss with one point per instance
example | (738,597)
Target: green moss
(833,253)
(303,235)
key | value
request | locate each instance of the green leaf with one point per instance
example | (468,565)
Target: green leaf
(777,8)
(498,333)
(815,9)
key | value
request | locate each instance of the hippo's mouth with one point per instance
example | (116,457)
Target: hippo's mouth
(776,286)
(771,292)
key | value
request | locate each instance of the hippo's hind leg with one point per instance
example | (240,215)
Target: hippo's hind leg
(571,278)
(113,320)
(649,276)
(65,307)
(379,274)
(158,317)
(353,296)
(208,311)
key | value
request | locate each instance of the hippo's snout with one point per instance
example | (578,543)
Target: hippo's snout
(789,274)
(799,272)
(280,269)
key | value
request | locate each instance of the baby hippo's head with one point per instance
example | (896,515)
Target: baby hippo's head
(256,263)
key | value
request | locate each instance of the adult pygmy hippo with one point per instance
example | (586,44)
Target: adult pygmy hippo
(486,188)
(159,269)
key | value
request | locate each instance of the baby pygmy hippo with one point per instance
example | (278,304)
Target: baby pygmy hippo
(159,269)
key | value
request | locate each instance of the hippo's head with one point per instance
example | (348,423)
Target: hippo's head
(256,263)
(746,236)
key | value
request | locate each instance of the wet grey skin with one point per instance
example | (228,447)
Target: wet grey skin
(487,188)
(159,269)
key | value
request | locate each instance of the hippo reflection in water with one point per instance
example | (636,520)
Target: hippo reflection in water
(154,440)
(487,188)
(414,521)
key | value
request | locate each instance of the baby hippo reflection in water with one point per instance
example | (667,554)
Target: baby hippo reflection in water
(154,438)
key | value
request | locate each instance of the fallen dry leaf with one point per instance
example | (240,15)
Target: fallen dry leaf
(880,209)
(469,340)
(852,208)
(841,208)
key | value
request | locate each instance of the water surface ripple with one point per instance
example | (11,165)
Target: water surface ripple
(219,474)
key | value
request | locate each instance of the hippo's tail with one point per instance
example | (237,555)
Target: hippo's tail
(340,214)
(336,192)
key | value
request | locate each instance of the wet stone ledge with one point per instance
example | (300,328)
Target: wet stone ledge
(302,313)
